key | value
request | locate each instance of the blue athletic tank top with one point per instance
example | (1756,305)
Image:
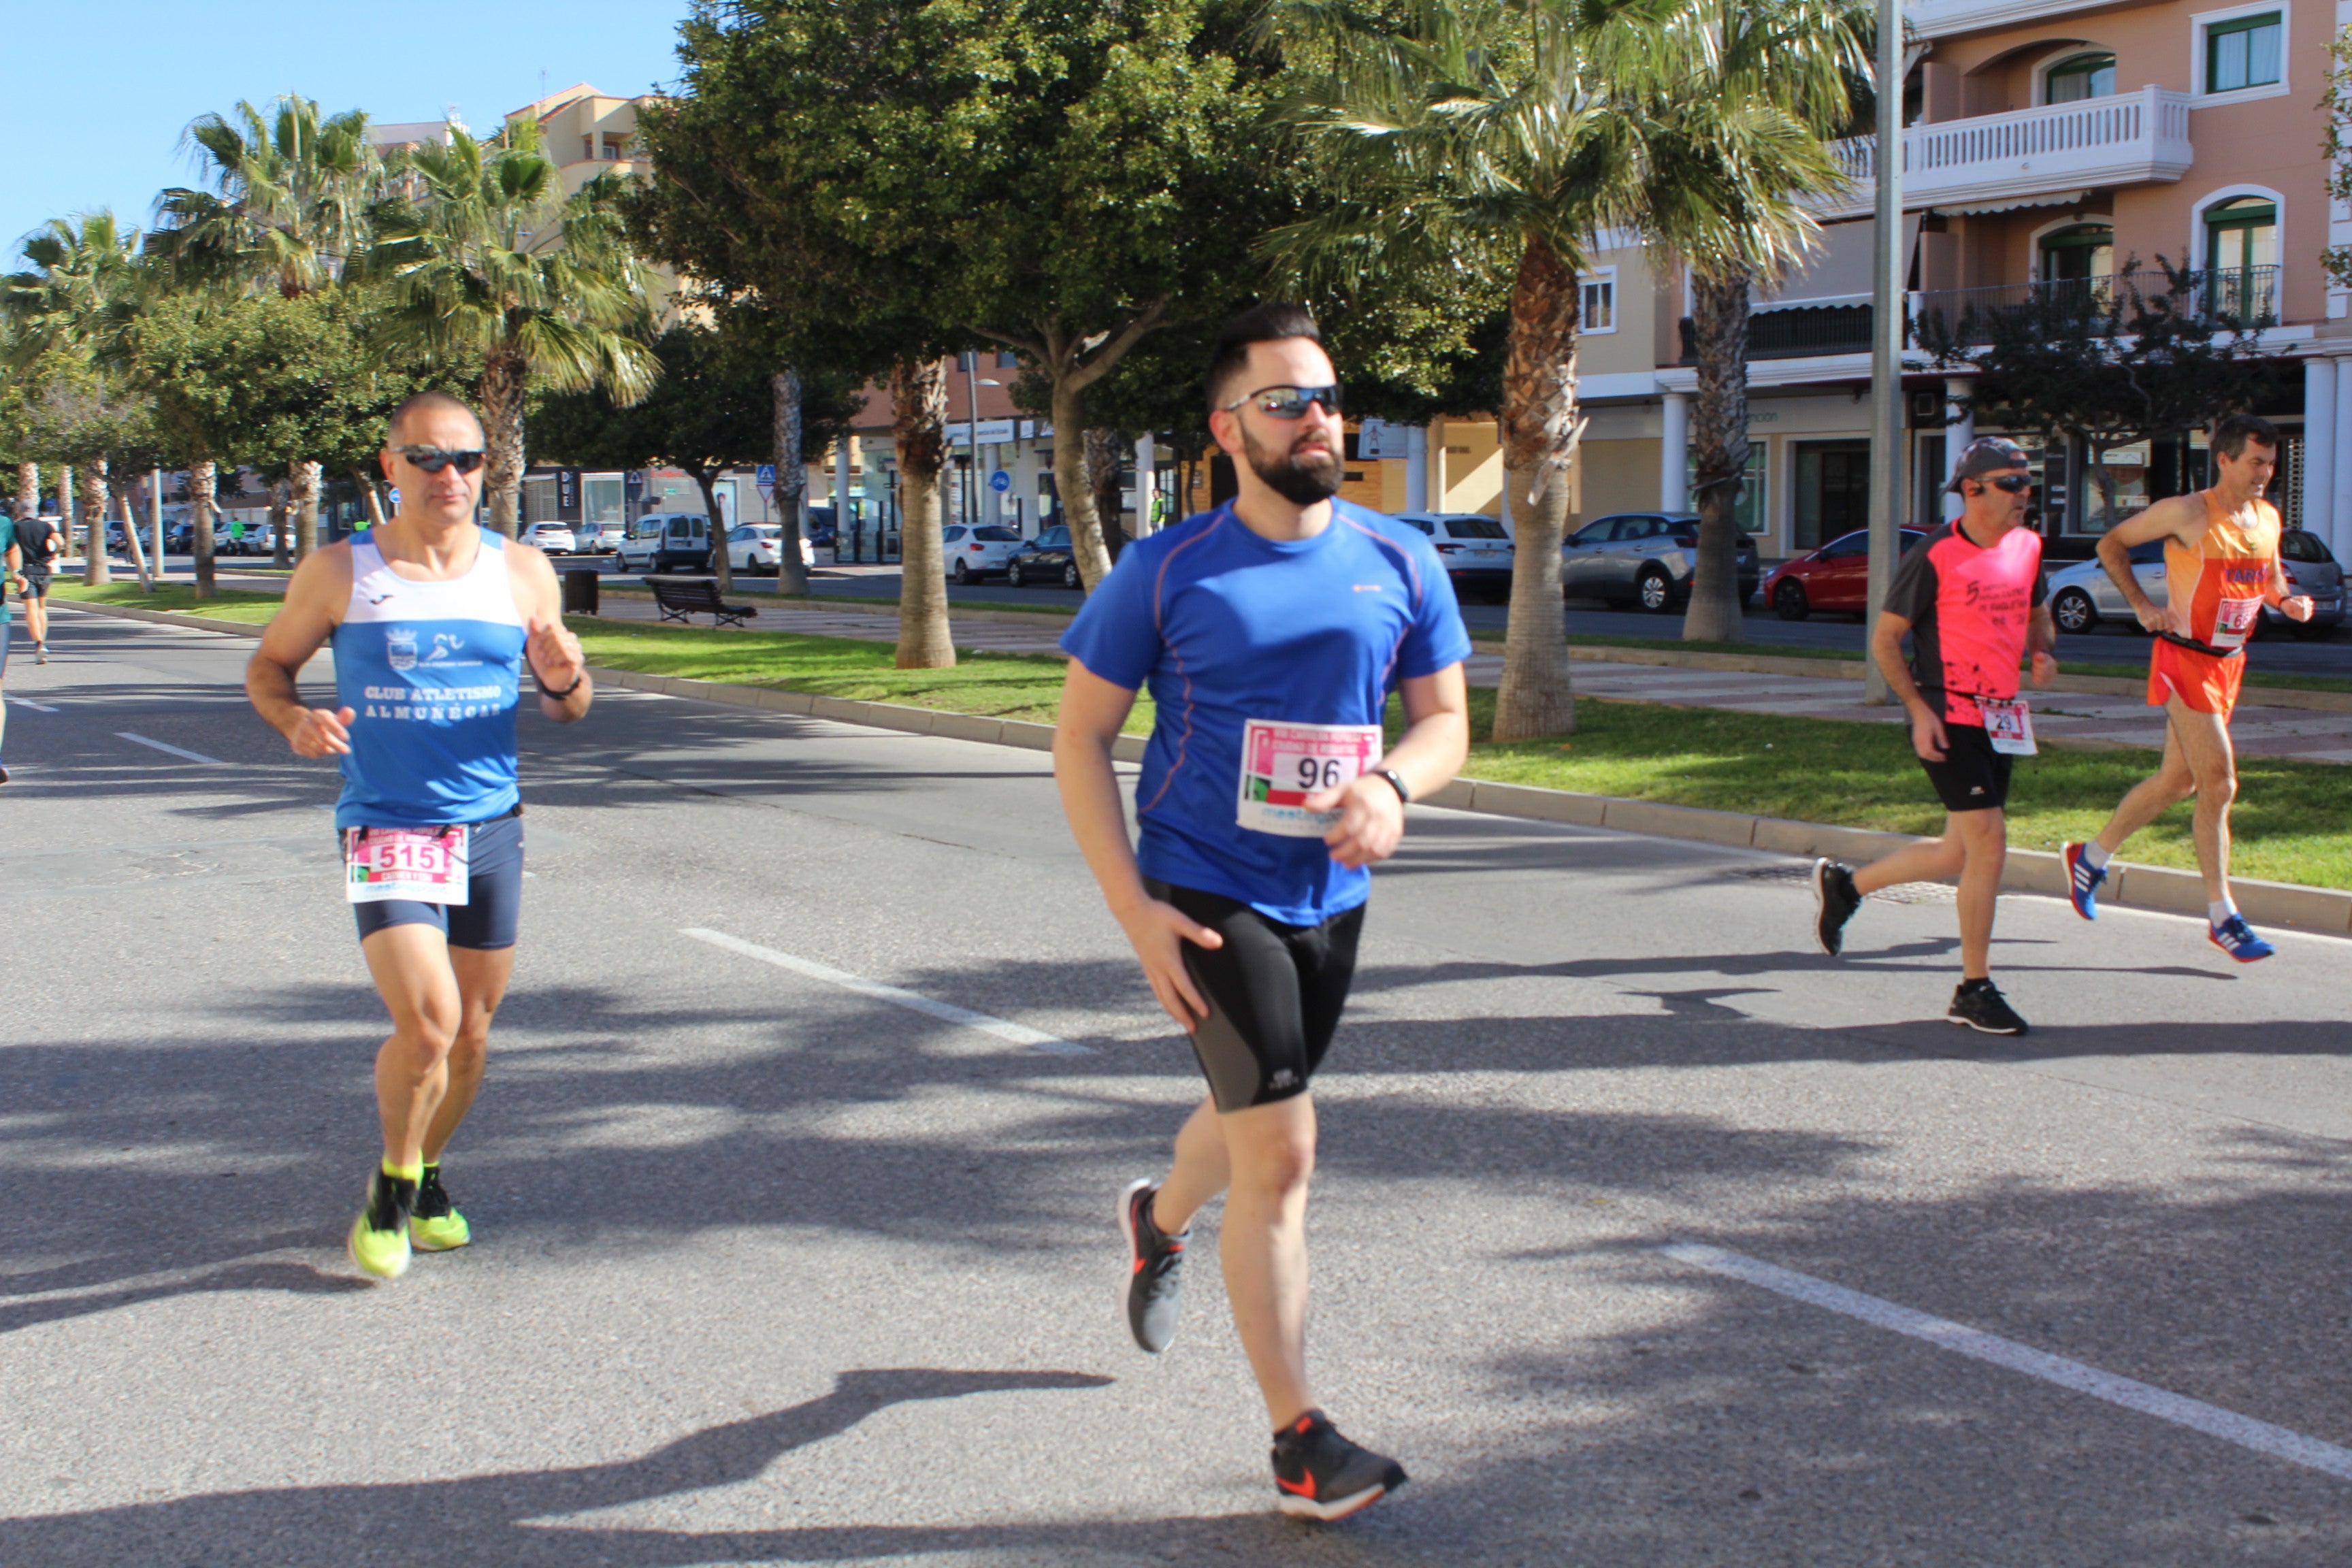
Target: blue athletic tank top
(431,671)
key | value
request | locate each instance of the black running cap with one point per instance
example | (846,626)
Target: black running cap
(1986,455)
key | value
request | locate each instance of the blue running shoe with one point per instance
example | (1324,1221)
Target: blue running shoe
(2083,880)
(2236,938)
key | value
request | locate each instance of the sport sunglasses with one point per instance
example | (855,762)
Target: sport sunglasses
(1289,401)
(433,459)
(2015,484)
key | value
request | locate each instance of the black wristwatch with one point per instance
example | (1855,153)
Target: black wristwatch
(1396,784)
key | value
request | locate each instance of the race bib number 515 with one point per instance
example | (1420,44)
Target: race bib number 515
(424,865)
(1282,764)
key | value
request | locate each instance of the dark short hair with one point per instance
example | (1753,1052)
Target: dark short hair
(1259,324)
(2232,434)
(417,404)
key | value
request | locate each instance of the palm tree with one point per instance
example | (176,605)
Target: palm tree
(491,256)
(1727,157)
(289,212)
(1502,134)
(1480,132)
(84,282)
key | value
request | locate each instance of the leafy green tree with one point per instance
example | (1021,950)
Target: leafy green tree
(1062,177)
(67,307)
(488,259)
(2110,362)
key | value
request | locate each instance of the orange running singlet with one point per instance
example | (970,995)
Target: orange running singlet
(2222,579)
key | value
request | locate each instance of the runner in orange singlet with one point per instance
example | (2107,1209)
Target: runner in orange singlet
(2220,567)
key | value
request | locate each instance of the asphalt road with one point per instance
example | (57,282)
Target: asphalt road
(771,1269)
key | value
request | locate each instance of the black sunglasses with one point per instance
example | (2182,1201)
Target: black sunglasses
(433,459)
(1289,401)
(2015,484)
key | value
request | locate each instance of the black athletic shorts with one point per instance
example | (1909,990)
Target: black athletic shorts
(493,907)
(1972,776)
(1275,993)
(37,581)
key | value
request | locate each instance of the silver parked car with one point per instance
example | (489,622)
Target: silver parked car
(1477,552)
(1642,558)
(2082,595)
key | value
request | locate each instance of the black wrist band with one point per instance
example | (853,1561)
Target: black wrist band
(1403,794)
(567,691)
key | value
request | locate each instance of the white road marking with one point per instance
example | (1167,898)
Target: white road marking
(2245,1431)
(175,751)
(1018,1034)
(36,707)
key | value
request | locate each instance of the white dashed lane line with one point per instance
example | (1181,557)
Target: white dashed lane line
(175,751)
(1004,1029)
(2245,1431)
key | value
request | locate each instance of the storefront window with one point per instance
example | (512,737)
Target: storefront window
(1753,512)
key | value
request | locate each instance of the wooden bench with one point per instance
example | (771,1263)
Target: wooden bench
(678,597)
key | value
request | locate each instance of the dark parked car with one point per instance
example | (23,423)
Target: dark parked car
(1045,560)
(1834,577)
(1642,558)
(818,526)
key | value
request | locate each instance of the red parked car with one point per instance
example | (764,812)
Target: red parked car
(1834,577)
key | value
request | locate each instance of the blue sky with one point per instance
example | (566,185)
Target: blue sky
(100,113)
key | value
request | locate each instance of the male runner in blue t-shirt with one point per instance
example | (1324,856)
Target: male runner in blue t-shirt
(1270,632)
(432,619)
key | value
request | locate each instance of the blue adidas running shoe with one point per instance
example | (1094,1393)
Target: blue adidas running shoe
(2083,880)
(2236,938)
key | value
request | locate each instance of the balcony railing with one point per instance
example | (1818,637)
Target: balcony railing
(2245,296)
(2127,139)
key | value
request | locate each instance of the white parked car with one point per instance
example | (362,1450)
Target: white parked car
(1477,553)
(555,538)
(2082,595)
(598,537)
(666,542)
(755,549)
(972,553)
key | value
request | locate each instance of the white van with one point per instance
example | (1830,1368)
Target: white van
(665,541)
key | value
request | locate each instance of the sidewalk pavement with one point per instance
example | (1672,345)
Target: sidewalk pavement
(2062,718)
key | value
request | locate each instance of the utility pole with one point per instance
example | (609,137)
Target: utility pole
(1889,277)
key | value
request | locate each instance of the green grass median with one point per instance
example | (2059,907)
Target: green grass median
(2291,817)
(227,604)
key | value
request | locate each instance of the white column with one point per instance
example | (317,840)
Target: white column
(2320,448)
(2339,534)
(1673,454)
(1416,469)
(1960,429)
(1025,486)
(1147,477)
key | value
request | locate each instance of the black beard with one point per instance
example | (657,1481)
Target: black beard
(1303,478)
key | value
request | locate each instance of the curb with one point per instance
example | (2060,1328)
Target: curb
(2129,886)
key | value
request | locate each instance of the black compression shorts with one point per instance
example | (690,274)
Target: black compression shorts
(1972,776)
(493,908)
(1275,993)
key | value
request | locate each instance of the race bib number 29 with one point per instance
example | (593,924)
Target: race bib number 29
(423,865)
(2009,724)
(1282,764)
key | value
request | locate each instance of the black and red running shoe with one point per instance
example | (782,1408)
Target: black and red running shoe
(1323,1475)
(1155,1270)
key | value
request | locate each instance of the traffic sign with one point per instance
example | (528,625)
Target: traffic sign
(767,475)
(1000,481)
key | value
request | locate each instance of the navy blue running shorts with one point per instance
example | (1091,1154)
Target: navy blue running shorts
(1275,993)
(493,907)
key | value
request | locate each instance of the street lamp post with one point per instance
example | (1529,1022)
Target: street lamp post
(1886,335)
(973,381)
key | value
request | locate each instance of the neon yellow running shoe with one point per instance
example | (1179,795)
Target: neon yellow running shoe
(379,1240)
(435,1226)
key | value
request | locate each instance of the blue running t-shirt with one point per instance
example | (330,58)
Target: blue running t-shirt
(430,670)
(1224,625)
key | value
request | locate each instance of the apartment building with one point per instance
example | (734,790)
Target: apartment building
(2048,143)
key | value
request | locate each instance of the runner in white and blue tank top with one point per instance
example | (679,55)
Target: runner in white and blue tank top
(432,619)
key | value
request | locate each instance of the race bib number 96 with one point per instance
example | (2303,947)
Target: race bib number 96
(1282,764)
(424,865)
